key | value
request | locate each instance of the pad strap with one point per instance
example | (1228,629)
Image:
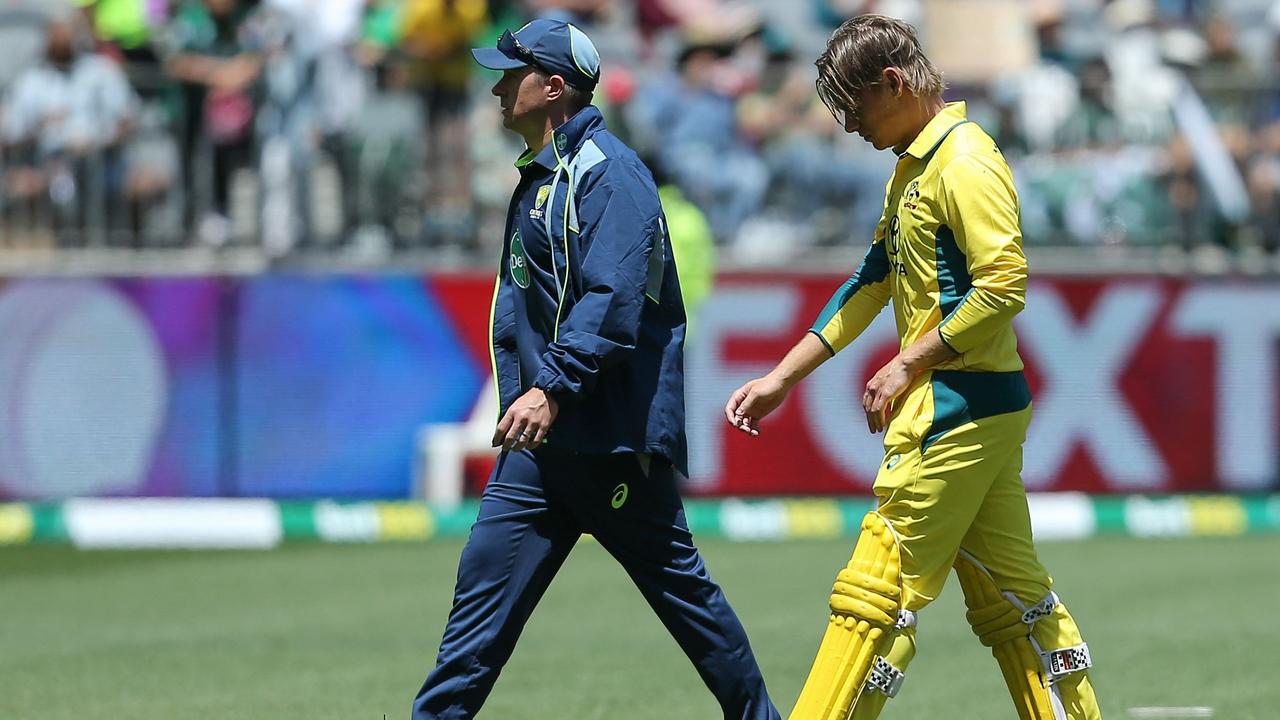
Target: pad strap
(1062,662)
(906,619)
(884,678)
(1044,608)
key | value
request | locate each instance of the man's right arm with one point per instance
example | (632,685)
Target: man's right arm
(857,302)
(851,309)
(751,402)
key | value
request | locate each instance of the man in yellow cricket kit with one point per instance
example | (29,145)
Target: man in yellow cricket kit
(953,403)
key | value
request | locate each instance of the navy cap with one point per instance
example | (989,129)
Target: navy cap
(556,47)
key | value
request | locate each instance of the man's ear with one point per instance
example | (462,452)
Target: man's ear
(555,87)
(893,81)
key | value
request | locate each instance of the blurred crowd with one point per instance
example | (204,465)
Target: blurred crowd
(364,127)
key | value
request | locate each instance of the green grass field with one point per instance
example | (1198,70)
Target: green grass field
(324,631)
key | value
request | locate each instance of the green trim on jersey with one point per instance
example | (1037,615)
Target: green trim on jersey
(961,397)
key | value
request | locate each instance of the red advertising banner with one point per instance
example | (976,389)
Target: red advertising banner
(1141,384)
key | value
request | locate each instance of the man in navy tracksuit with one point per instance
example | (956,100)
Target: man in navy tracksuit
(587,337)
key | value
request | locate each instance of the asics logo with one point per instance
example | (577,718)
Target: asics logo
(619,496)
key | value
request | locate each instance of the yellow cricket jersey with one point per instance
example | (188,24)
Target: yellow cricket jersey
(948,250)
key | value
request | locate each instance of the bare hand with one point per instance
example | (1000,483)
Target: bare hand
(527,422)
(750,403)
(887,384)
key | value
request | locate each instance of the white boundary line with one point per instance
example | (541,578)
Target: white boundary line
(1154,711)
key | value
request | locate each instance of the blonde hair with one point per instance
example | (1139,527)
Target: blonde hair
(860,49)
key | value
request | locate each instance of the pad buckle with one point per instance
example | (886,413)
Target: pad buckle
(885,678)
(906,619)
(1044,608)
(1063,662)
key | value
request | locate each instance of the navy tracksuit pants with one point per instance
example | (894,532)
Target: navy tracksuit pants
(535,507)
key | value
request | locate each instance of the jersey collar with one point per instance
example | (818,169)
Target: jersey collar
(565,140)
(944,122)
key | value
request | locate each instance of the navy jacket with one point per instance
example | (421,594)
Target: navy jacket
(587,304)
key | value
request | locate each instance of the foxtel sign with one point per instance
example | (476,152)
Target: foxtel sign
(1140,384)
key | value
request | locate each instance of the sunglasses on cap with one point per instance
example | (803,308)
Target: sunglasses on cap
(510,45)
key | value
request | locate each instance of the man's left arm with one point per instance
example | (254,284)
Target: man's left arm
(981,208)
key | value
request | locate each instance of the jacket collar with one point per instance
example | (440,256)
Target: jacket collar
(566,139)
(936,131)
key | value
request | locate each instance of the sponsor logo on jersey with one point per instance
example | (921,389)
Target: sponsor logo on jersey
(619,496)
(519,262)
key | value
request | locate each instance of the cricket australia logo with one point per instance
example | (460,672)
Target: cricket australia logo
(519,263)
(911,198)
(535,212)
